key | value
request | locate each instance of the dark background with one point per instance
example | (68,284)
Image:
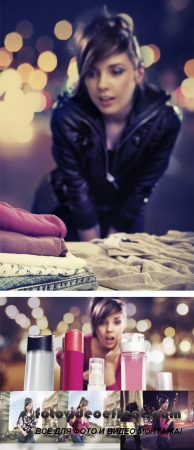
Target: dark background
(165,23)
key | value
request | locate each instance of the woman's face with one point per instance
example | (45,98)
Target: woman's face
(111,83)
(29,407)
(165,405)
(84,407)
(109,331)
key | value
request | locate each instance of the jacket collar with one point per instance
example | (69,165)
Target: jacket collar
(147,99)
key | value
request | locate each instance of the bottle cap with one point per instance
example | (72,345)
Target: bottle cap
(74,340)
(41,343)
(133,342)
(163,381)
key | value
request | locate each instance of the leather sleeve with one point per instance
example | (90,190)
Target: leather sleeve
(152,169)
(66,156)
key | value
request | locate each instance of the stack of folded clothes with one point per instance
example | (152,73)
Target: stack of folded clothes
(34,255)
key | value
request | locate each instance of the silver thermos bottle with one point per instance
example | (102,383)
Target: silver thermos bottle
(39,371)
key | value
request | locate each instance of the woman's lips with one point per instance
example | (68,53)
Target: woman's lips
(106,101)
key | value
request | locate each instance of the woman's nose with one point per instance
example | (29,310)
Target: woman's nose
(102,81)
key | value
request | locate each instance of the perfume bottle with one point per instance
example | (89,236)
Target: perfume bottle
(39,370)
(163,381)
(133,362)
(96,375)
(72,361)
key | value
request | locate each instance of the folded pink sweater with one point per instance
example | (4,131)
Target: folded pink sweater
(20,221)
(11,242)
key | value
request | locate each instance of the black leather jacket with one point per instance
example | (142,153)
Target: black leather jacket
(83,177)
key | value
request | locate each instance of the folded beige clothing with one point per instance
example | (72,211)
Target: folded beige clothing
(69,262)
(11,242)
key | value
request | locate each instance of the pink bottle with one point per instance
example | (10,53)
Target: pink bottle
(133,362)
(72,361)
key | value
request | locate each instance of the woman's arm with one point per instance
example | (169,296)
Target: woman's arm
(23,432)
(154,163)
(65,153)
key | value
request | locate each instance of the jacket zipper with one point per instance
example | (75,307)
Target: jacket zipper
(110,177)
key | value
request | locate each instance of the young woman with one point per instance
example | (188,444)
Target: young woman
(79,423)
(163,439)
(108,320)
(112,136)
(26,421)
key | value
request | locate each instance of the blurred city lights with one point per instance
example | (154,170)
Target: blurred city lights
(128,19)
(86,328)
(26,324)
(85,318)
(33,302)
(37,313)
(25,71)
(23,346)
(62,327)
(20,319)
(72,68)
(169,351)
(156,51)
(44,43)
(47,61)
(141,325)
(76,325)
(189,68)
(11,311)
(26,55)
(36,100)
(2,340)
(156,356)
(63,30)
(9,79)
(22,133)
(147,55)
(131,309)
(37,80)
(185,346)
(45,332)
(75,311)
(34,330)
(182,309)
(13,42)
(131,323)
(168,342)
(42,323)
(187,87)
(6,58)
(25,28)
(3,301)
(169,332)
(68,318)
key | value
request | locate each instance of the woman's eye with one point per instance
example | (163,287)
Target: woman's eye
(90,74)
(117,322)
(101,322)
(117,71)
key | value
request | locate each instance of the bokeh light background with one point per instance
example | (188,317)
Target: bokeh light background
(37,61)
(167,324)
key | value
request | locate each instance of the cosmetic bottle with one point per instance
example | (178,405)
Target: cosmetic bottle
(133,362)
(96,375)
(72,361)
(163,381)
(39,370)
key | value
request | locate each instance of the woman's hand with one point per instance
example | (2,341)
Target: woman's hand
(86,375)
(24,433)
(112,230)
(88,235)
(111,360)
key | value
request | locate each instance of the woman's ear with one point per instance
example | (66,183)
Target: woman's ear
(139,74)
